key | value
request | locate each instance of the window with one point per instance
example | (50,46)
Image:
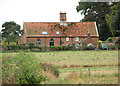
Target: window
(38,42)
(57,32)
(44,32)
(67,38)
(76,38)
(51,42)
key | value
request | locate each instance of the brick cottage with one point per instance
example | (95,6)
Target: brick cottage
(59,33)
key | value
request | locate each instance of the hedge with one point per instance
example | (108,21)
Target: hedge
(50,48)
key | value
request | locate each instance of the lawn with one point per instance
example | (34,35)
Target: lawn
(78,67)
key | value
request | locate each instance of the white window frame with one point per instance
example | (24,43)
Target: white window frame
(67,38)
(57,33)
(44,33)
(76,38)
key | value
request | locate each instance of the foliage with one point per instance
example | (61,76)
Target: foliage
(100,41)
(4,44)
(113,20)
(91,47)
(60,48)
(11,31)
(23,68)
(96,11)
(31,46)
(63,28)
(51,68)
(111,47)
(110,39)
(83,47)
(12,43)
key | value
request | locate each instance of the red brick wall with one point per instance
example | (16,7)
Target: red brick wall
(57,41)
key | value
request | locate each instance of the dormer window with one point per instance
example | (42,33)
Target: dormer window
(76,38)
(57,32)
(44,32)
(67,38)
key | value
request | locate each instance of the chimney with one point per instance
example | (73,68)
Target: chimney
(63,18)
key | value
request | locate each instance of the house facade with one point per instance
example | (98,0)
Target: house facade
(61,33)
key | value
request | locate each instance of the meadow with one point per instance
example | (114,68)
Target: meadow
(74,67)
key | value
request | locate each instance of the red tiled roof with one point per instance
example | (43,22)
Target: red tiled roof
(71,29)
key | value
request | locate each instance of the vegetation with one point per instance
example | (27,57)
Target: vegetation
(11,31)
(23,69)
(113,20)
(64,67)
(31,47)
(96,11)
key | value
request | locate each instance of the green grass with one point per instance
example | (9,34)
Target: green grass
(110,69)
(79,57)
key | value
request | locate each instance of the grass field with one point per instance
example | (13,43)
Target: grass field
(79,67)
(69,58)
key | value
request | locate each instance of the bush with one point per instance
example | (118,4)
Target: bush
(49,67)
(83,47)
(17,47)
(31,46)
(41,48)
(23,68)
(60,48)
(110,40)
(91,47)
(111,47)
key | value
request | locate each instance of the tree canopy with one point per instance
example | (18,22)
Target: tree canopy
(11,31)
(96,11)
(113,20)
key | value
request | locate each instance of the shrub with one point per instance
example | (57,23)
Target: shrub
(12,43)
(59,48)
(104,47)
(91,47)
(41,48)
(83,47)
(31,46)
(111,47)
(23,68)
(110,40)
(49,67)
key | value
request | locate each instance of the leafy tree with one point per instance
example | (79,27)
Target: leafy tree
(113,20)
(11,31)
(96,11)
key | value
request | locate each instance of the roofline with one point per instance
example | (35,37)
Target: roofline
(96,29)
(60,36)
(59,22)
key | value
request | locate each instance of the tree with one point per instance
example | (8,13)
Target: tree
(113,20)
(11,31)
(96,11)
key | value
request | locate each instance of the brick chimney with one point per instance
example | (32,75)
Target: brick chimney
(63,18)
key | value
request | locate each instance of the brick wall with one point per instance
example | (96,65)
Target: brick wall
(46,41)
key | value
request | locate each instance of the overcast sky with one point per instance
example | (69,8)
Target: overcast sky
(37,11)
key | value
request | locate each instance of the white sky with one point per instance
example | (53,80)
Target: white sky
(37,11)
